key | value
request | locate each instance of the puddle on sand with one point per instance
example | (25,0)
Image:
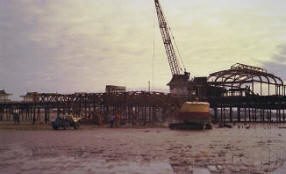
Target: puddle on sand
(201,171)
(281,170)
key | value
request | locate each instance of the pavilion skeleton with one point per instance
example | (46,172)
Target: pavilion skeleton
(240,75)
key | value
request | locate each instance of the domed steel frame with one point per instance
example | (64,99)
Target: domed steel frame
(239,76)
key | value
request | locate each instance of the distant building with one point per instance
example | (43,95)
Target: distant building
(4,97)
(114,89)
(30,97)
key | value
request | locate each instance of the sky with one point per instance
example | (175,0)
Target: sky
(71,46)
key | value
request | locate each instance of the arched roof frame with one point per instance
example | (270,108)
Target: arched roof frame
(240,74)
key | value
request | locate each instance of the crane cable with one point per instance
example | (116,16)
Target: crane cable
(180,57)
(154,54)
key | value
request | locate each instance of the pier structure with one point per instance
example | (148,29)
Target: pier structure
(242,93)
(142,107)
(136,107)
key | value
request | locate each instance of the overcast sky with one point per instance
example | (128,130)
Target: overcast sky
(74,45)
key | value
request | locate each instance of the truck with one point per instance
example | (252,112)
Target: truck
(65,122)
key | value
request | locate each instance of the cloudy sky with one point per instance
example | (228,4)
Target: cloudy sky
(74,45)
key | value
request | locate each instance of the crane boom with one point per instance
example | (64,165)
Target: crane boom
(174,64)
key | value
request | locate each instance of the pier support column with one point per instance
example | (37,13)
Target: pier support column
(238,114)
(230,114)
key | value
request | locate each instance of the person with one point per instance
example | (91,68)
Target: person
(117,120)
(16,118)
(99,121)
(112,121)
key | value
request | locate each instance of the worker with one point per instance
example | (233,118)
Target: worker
(117,120)
(16,118)
(112,121)
(99,121)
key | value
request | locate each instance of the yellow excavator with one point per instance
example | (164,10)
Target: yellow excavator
(193,115)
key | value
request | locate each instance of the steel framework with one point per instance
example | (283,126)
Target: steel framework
(241,76)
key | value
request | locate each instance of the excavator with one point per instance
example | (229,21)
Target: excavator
(192,115)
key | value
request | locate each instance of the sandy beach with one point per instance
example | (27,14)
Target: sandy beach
(255,149)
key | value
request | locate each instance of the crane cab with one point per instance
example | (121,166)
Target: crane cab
(179,84)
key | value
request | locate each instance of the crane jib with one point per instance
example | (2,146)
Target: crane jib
(174,64)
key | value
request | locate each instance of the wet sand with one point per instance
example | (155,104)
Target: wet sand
(258,149)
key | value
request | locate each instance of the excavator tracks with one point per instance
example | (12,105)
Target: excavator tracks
(189,126)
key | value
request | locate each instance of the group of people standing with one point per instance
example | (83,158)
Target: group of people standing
(115,120)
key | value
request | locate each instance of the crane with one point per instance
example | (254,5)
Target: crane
(179,81)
